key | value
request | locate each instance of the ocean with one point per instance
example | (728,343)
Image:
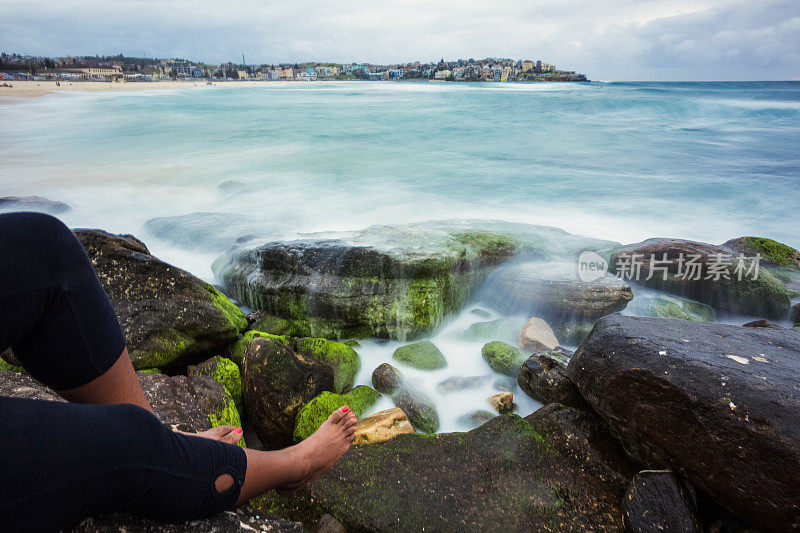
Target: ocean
(619,161)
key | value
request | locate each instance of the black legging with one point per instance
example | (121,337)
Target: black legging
(60,462)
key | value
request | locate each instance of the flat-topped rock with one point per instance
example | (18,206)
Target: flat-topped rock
(387,281)
(33,203)
(716,403)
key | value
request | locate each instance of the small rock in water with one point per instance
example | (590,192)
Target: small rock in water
(504,383)
(32,203)
(476,418)
(457,383)
(544,378)
(423,355)
(480,313)
(762,324)
(502,402)
(382,426)
(505,329)
(537,336)
(387,379)
(502,357)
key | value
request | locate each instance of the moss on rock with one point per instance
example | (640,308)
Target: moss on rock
(225,372)
(228,309)
(503,358)
(671,307)
(11,368)
(315,412)
(772,252)
(227,415)
(339,356)
(151,371)
(423,355)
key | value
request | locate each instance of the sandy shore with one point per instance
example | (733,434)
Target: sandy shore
(20,90)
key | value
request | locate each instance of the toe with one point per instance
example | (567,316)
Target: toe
(233,436)
(350,422)
(338,414)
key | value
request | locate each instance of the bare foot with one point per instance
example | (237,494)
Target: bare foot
(324,447)
(229,434)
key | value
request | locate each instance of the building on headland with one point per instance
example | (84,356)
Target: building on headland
(121,68)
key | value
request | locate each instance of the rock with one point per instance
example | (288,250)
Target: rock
(536,336)
(276,383)
(510,474)
(502,357)
(544,378)
(9,357)
(206,231)
(315,412)
(382,426)
(419,408)
(223,371)
(397,282)
(32,203)
(480,313)
(476,418)
(772,252)
(184,403)
(352,343)
(572,333)
(504,383)
(554,291)
(243,519)
(502,402)
(657,501)
(342,359)
(387,379)
(328,524)
(670,307)
(504,329)
(261,321)
(794,313)
(764,296)
(761,324)
(423,355)
(457,383)
(718,404)
(169,316)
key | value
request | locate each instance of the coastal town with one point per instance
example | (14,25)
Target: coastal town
(132,69)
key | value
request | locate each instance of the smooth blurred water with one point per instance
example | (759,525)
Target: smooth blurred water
(622,161)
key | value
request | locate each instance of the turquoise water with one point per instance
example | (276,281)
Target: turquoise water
(621,161)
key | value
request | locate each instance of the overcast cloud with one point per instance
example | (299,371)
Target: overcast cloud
(607,40)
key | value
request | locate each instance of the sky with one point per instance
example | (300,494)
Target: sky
(610,40)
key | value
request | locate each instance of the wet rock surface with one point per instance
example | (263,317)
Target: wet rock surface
(536,481)
(718,404)
(240,520)
(417,406)
(203,230)
(382,426)
(657,501)
(169,316)
(33,203)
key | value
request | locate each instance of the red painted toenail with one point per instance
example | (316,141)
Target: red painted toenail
(238,430)
(345,409)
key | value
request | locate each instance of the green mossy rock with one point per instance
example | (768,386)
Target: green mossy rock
(344,361)
(223,371)
(315,412)
(764,297)
(151,371)
(772,252)
(11,368)
(423,355)
(503,358)
(169,316)
(557,470)
(398,282)
(506,329)
(670,307)
(419,409)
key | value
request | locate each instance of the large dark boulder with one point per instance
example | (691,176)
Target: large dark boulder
(718,404)
(170,317)
(558,470)
(719,284)
(276,383)
(387,281)
(657,501)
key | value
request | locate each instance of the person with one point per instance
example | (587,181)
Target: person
(104,450)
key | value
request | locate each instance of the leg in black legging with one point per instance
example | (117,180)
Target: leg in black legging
(62,462)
